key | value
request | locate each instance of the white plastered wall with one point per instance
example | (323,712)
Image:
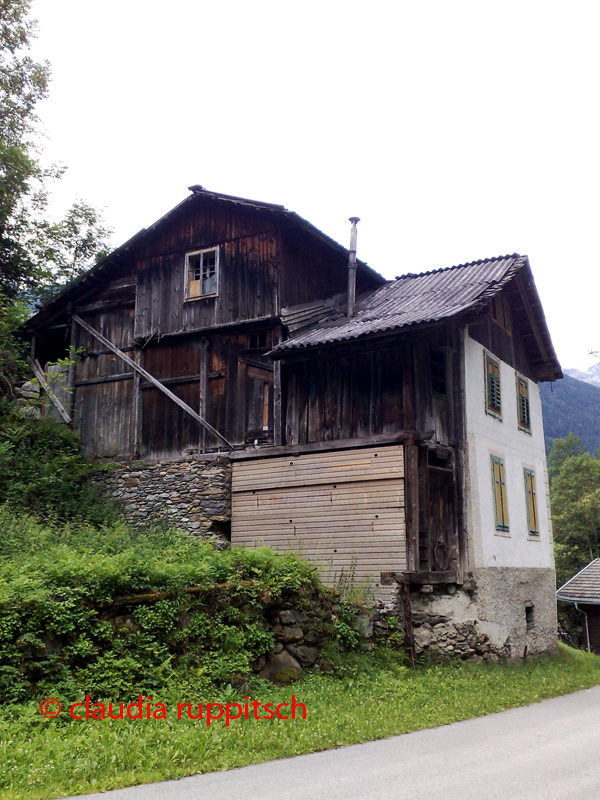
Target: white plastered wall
(487,436)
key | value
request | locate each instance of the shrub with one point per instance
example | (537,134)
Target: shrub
(111,611)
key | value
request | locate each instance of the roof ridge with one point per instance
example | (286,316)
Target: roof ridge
(459,266)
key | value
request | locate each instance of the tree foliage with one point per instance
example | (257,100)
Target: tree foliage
(23,82)
(575,499)
(37,256)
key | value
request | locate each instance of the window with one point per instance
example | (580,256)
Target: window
(501,313)
(202,273)
(499,486)
(533,524)
(529,619)
(493,403)
(523,414)
(258,340)
(437,371)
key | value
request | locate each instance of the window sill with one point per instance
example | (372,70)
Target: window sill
(534,537)
(506,534)
(200,297)
(493,414)
(525,430)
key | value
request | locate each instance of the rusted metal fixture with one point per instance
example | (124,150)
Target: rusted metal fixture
(352,268)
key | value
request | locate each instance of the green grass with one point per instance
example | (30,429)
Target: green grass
(369,700)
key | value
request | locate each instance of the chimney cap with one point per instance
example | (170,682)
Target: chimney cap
(354,219)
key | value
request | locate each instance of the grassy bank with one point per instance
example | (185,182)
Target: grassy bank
(371,699)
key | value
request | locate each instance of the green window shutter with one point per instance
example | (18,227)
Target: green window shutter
(523,403)
(493,396)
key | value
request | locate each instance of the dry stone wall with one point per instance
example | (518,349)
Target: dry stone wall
(193,493)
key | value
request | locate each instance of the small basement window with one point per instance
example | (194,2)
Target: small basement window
(523,411)
(438,371)
(529,619)
(202,269)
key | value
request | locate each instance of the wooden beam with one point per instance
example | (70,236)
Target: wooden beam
(119,376)
(213,431)
(106,305)
(340,444)
(171,381)
(530,315)
(203,378)
(419,578)
(39,374)
(136,408)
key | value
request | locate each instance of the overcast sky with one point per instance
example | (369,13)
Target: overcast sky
(455,130)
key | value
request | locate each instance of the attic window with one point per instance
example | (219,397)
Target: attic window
(202,269)
(501,313)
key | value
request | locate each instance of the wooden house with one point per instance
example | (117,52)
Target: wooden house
(583,591)
(398,433)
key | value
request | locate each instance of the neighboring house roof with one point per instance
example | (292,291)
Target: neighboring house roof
(428,297)
(96,275)
(583,587)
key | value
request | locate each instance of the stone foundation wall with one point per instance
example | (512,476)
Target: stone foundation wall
(193,493)
(499,613)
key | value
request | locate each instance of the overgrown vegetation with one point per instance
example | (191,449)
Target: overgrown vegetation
(43,472)
(53,758)
(111,612)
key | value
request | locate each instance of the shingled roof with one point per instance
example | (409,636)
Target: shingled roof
(425,298)
(583,587)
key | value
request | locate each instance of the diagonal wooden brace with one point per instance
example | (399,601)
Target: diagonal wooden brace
(213,431)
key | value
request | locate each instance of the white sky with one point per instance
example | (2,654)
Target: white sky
(455,130)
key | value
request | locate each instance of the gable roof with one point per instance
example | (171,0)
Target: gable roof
(95,277)
(429,297)
(583,587)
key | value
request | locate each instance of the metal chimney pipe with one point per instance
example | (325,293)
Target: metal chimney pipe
(352,268)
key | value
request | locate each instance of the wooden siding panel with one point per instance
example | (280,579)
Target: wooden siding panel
(103,410)
(103,415)
(344,397)
(248,273)
(343,509)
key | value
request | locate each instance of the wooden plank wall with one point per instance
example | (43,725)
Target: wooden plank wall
(248,273)
(312,271)
(342,509)
(512,348)
(104,385)
(344,397)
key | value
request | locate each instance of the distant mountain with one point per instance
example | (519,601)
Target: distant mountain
(572,406)
(592,375)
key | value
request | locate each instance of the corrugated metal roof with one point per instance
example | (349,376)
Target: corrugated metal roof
(413,299)
(583,587)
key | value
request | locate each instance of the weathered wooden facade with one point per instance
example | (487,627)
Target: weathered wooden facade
(209,349)
(360,434)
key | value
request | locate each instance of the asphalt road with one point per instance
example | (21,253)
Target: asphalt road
(547,751)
